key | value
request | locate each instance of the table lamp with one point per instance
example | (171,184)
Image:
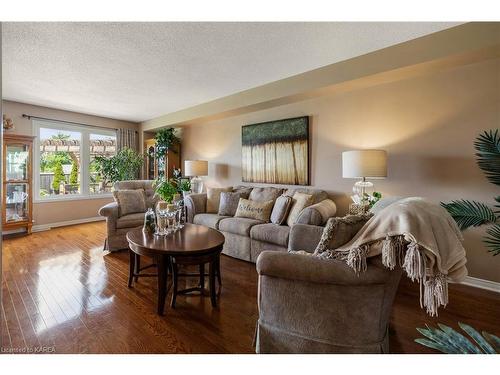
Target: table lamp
(364,164)
(195,169)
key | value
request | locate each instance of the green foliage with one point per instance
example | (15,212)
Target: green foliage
(470,213)
(49,160)
(125,165)
(287,130)
(165,189)
(374,198)
(165,138)
(487,146)
(446,340)
(73,177)
(184,185)
(58,176)
(473,214)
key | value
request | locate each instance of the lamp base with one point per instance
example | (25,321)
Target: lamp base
(362,191)
(196,185)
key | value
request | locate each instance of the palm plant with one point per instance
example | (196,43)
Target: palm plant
(471,213)
(446,340)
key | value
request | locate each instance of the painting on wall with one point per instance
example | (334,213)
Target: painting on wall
(276,152)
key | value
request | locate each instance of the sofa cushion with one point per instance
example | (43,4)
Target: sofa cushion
(318,195)
(275,234)
(265,194)
(243,190)
(130,221)
(340,230)
(317,214)
(130,201)
(208,220)
(213,199)
(300,201)
(146,185)
(238,225)
(281,209)
(254,209)
(229,203)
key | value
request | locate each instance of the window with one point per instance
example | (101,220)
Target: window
(64,164)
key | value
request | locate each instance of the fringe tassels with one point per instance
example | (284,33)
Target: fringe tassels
(392,250)
(356,259)
(435,293)
(414,262)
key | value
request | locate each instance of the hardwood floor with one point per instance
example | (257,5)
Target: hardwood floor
(62,294)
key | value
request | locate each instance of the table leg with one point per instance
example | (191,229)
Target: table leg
(211,275)
(162,282)
(131,268)
(175,275)
(202,277)
(219,278)
(137,268)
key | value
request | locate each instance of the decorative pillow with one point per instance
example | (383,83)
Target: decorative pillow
(229,203)
(243,190)
(340,230)
(254,209)
(213,199)
(281,209)
(265,194)
(130,201)
(300,201)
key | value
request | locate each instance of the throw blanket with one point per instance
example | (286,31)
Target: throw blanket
(418,235)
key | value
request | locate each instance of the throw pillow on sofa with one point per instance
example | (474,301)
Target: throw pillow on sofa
(229,203)
(254,209)
(281,210)
(300,201)
(213,199)
(340,230)
(130,201)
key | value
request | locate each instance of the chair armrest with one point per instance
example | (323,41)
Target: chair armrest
(195,204)
(317,214)
(109,210)
(304,237)
(308,268)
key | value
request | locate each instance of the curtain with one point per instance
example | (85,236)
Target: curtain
(126,138)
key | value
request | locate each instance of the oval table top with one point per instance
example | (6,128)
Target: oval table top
(191,240)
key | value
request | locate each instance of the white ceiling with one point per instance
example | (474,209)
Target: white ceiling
(138,71)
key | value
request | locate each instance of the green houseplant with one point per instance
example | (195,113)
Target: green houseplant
(165,189)
(165,140)
(125,165)
(471,213)
(446,340)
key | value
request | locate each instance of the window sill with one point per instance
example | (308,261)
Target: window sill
(73,198)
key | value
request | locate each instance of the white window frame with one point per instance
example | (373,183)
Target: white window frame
(85,132)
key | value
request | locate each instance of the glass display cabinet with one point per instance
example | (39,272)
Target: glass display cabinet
(17,207)
(155,167)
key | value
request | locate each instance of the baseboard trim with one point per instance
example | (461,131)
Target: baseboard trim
(482,284)
(43,227)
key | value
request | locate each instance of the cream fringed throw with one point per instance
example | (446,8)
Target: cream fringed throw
(418,235)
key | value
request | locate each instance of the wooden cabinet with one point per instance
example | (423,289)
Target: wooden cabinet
(156,166)
(17,200)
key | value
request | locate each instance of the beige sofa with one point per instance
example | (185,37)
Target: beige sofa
(118,226)
(313,305)
(247,238)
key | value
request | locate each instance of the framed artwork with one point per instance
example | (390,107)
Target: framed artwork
(276,152)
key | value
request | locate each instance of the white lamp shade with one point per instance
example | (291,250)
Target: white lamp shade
(364,163)
(195,168)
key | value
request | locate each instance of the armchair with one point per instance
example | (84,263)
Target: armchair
(313,305)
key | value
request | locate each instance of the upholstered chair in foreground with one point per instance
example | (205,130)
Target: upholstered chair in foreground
(313,305)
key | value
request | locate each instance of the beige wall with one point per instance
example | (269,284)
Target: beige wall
(427,124)
(54,212)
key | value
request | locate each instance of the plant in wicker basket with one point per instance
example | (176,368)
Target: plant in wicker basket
(471,213)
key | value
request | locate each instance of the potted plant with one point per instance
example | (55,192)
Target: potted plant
(166,140)
(125,165)
(165,189)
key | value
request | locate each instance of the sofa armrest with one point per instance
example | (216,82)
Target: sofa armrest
(311,269)
(111,209)
(195,204)
(317,214)
(304,237)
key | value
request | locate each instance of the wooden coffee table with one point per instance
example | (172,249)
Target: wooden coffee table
(193,244)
